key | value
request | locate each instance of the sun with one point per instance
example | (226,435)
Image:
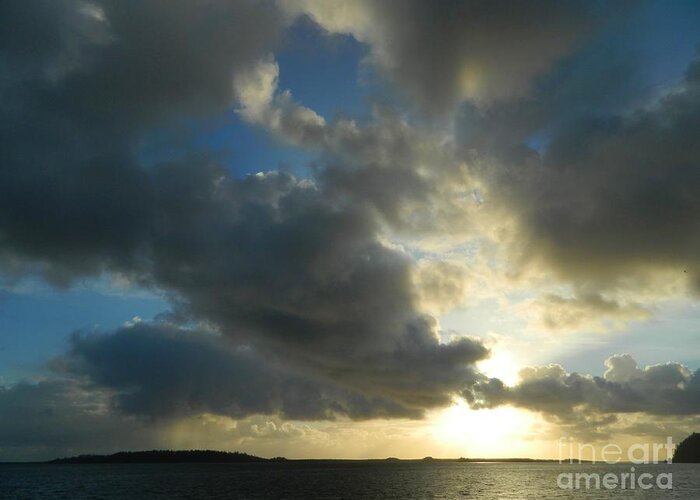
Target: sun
(497,433)
(491,433)
(503,365)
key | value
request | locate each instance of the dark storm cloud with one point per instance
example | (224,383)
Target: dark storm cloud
(445,51)
(318,315)
(276,265)
(165,372)
(603,75)
(60,418)
(667,389)
(440,53)
(82,83)
(613,197)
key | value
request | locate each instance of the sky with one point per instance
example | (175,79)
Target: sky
(315,228)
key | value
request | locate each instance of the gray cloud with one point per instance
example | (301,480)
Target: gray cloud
(611,199)
(407,174)
(164,372)
(588,311)
(666,389)
(316,315)
(67,416)
(62,417)
(81,95)
(440,53)
(275,264)
(175,372)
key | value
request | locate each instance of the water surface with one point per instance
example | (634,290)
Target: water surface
(328,480)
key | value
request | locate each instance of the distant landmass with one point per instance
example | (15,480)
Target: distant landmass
(212,456)
(165,456)
(688,451)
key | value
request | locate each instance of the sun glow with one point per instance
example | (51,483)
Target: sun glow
(501,432)
(501,364)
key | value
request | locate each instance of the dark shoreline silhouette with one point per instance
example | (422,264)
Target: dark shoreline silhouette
(212,456)
(165,456)
(688,450)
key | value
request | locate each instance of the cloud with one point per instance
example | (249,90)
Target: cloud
(547,200)
(167,373)
(609,203)
(587,311)
(62,417)
(142,384)
(260,104)
(440,53)
(301,298)
(586,185)
(275,264)
(407,173)
(590,404)
(79,100)
(442,285)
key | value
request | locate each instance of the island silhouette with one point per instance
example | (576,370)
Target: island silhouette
(213,456)
(165,456)
(688,450)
